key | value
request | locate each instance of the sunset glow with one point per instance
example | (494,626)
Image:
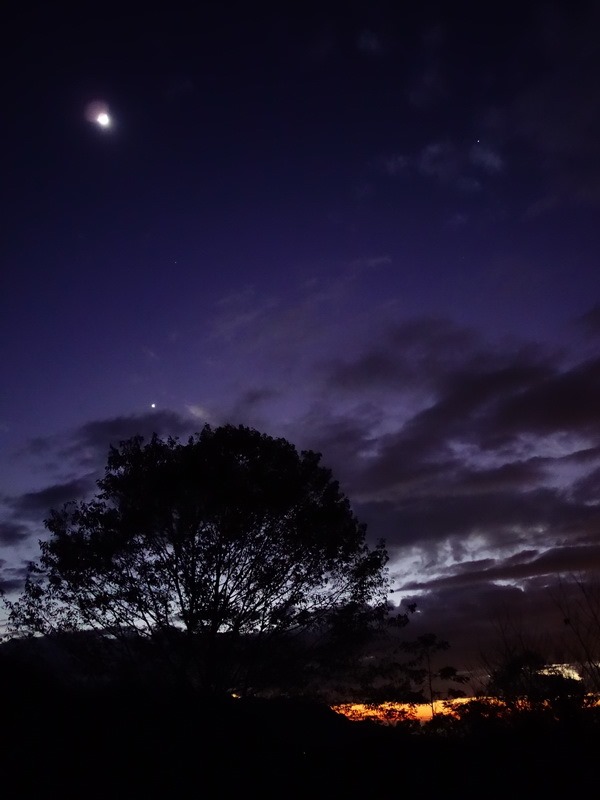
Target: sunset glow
(392,713)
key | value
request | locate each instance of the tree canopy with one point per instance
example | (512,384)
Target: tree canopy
(231,537)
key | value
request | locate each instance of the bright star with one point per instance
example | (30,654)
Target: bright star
(103,119)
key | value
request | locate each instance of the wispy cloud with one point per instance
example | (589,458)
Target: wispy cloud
(370,43)
(466,167)
(487,158)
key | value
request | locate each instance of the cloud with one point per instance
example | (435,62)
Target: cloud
(12,533)
(566,400)
(77,459)
(460,449)
(458,165)
(486,158)
(93,439)
(552,116)
(90,443)
(449,163)
(240,311)
(416,352)
(493,520)
(201,413)
(481,619)
(590,321)
(149,354)
(395,164)
(370,43)
(587,489)
(80,454)
(252,406)
(34,505)
(427,85)
(281,331)
(440,160)
(457,220)
(12,578)
(566,560)
(360,265)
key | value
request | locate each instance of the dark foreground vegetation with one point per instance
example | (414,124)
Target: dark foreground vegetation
(120,740)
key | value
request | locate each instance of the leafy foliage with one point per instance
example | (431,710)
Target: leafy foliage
(210,548)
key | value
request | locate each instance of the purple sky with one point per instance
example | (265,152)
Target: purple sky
(371,228)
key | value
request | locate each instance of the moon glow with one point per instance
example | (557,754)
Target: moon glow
(98,113)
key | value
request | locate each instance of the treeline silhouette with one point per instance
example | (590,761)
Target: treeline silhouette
(119,737)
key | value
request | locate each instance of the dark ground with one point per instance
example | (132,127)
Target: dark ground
(120,742)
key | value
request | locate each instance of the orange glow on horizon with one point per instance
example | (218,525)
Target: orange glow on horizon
(391,713)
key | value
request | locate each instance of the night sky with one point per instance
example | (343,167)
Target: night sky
(371,228)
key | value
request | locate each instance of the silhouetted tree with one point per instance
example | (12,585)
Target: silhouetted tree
(532,690)
(211,549)
(578,600)
(425,669)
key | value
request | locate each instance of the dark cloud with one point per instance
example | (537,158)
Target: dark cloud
(498,518)
(474,389)
(428,337)
(80,455)
(76,459)
(468,399)
(590,321)
(36,505)
(565,401)
(555,112)
(561,124)
(87,446)
(427,84)
(566,560)
(486,158)
(457,165)
(439,160)
(249,408)
(99,435)
(473,402)
(39,445)
(516,476)
(341,438)
(494,450)
(371,370)
(587,489)
(12,578)
(481,620)
(416,352)
(12,532)
(370,43)
(394,164)
(582,456)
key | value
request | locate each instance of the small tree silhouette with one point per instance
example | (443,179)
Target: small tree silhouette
(423,650)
